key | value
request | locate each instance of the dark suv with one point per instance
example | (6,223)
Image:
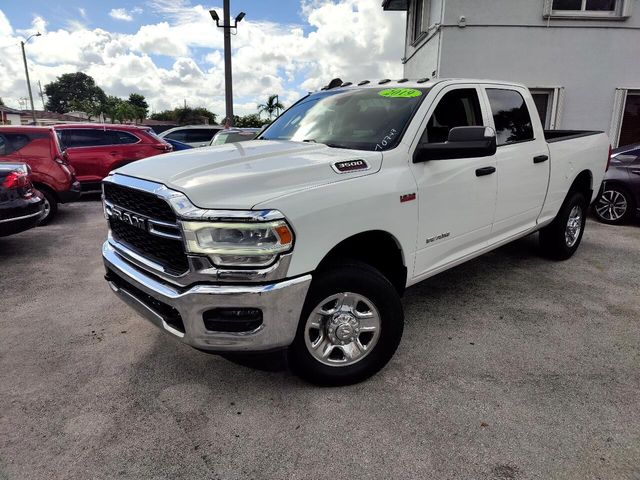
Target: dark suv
(38,147)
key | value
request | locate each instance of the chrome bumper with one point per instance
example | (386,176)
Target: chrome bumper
(280,302)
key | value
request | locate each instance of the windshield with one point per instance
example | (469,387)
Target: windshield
(361,119)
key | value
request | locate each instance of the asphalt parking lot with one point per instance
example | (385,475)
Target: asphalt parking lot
(511,367)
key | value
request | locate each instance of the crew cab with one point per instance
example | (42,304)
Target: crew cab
(95,149)
(38,147)
(306,237)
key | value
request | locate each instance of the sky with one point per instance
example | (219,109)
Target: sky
(170,51)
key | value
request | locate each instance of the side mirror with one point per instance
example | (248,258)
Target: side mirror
(463,142)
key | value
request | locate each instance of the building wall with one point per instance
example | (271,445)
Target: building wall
(512,40)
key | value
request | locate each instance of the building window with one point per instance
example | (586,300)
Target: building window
(630,128)
(588,8)
(419,19)
(549,105)
(510,116)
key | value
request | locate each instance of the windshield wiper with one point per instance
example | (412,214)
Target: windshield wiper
(332,145)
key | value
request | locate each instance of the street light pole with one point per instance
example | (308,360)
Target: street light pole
(226,26)
(26,72)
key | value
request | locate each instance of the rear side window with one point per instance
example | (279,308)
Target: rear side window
(510,116)
(457,108)
(122,138)
(85,138)
(13,142)
(202,135)
(179,136)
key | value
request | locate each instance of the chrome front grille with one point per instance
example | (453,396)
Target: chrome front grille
(146,225)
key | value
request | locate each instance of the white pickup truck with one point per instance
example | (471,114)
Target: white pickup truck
(306,237)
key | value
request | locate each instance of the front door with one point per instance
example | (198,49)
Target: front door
(457,196)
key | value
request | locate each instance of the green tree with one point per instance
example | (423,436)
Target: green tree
(272,106)
(125,111)
(72,87)
(140,104)
(187,116)
(110,107)
(247,121)
(91,107)
(1,102)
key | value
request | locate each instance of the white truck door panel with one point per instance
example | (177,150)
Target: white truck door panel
(522,160)
(456,205)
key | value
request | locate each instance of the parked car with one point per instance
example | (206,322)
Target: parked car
(193,135)
(306,237)
(177,146)
(21,205)
(232,135)
(39,148)
(95,149)
(619,199)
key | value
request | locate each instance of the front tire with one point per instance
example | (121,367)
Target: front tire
(614,206)
(560,239)
(350,327)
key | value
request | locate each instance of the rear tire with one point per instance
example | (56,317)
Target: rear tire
(560,239)
(50,206)
(350,326)
(614,206)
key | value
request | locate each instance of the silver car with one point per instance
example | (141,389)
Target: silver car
(232,135)
(193,135)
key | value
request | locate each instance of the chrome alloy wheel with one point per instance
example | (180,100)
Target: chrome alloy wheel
(47,208)
(574,225)
(611,206)
(342,329)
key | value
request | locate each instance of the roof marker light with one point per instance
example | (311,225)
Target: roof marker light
(346,84)
(382,82)
(363,82)
(402,80)
(422,80)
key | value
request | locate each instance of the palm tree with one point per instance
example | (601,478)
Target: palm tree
(272,105)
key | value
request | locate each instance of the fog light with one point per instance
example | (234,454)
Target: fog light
(232,319)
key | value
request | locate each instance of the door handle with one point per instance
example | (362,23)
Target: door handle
(113,153)
(636,171)
(540,159)
(485,171)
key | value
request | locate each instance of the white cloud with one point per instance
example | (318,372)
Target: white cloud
(352,39)
(120,14)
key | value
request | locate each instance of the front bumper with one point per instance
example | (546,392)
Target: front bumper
(280,302)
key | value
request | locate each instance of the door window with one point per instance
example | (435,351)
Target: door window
(510,116)
(199,135)
(12,142)
(458,108)
(85,138)
(179,136)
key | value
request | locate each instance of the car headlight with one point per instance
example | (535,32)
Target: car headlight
(239,244)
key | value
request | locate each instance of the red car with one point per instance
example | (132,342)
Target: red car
(95,149)
(38,147)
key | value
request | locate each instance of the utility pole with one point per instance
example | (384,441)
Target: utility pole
(226,26)
(26,72)
(41,95)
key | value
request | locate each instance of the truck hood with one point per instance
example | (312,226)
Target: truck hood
(241,175)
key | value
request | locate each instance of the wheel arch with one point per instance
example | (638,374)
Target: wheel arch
(583,183)
(377,248)
(44,186)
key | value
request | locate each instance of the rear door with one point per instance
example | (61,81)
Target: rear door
(89,151)
(522,161)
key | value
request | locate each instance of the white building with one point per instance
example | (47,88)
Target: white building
(581,58)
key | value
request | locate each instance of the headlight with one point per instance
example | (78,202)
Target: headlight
(239,244)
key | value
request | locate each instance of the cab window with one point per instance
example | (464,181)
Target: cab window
(510,116)
(458,108)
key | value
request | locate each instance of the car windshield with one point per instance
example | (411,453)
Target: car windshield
(361,119)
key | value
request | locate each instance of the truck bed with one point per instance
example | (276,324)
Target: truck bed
(560,135)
